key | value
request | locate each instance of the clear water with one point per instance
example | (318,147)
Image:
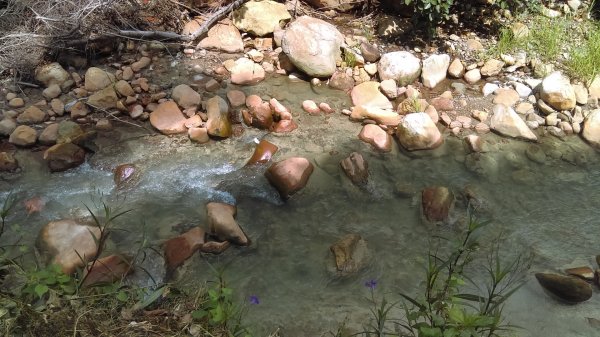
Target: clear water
(549,209)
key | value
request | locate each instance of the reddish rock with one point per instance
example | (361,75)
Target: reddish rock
(64,156)
(377,137)
(326,108)
(64,242)
(262,116)
(437,202)
(356,168)
(198,135)
(185,96)
(290,175)
(284,125)
(222,225)
(442,104)
(245,71)
(142,63)
(263,152)
(34,205)
(124,174)
(236,98)
(279,110)
(193,122)
(223,36)
(182,247)
(214,247)
(168,119)
(108,269)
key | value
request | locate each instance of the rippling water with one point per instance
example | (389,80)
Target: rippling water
(550,209)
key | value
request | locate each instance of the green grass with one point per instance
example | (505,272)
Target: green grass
(584,63)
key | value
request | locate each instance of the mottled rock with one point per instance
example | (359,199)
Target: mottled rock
(356,168)
(140,64)
(23,135)
(52,73)
(198,135)
(105,99)
(236,98)
(313,46)
(341,80)
(369,52)
(61,157)
(567,288)
(401,66)
(506,96)
(52,91)
(124,88)
(290,175)
(418,132)
(16,102)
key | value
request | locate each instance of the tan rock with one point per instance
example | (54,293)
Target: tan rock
(218,123)
(23,135)
(49,135)
(506,122)
(97,79)
(377,137)
(506,96)
(368,94)
(221,223)
(168,119)
(456,69)
(260,17)
(142,63)
(244,72)
(124,88)
(32,115)
(185,96)
(104,99)
(223,37)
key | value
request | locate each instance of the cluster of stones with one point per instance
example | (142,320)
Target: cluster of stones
(575,286)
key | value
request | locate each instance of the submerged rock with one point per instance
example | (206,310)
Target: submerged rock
(168,119)
(585,273)
(437,202)
(290,175)
(125,175)
(567,288)
(61,157)
(356,168)
(222,225)
(108,269)
(8,162)
(313,46)
(182,247)
(350,253)
(66,241)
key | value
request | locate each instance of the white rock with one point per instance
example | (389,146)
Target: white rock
(401,66)
(507,122)
(435,68)
(489,88)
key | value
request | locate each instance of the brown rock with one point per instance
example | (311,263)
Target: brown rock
(49,135)
(381,116)
(141,64)
(290,175)
(262,116)
(124,88)
(437,203)
(8,162)
(350,253)
(236,98)
(369,52)
(105,99)
(284,125)
(23,135)
(125,174)
(168,119)
(263,152)
(62,157)
(585,273)
(108,269)
(221,223)
(474,143)
(182,247)
(16,102)
(567,288)
(356,168)
(218,123)
(377,137)
(443,104)
(66,241)
(31,115)
(79,109)
(214,247)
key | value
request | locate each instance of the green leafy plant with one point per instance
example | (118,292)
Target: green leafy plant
(49,279)
(452,304)
(349,58)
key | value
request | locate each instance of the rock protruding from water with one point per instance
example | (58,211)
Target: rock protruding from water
(8,162)
(64,156)
(244,71)
(108,269)
(290,175)
(260,18)
(377,137)
(263,152)
(368,94)
(435,68)
(182,247)
(437,202)
(222,224)
(350,253)
(591,128)
(313,46)
(356,168)
(125,175)
(585,273)
(557,91)
(507,122)
(400,66)
(185,96)
(418,132)
(567,288)
(218,123)
(168,119)
(65,242)
(98,79)
(223,37)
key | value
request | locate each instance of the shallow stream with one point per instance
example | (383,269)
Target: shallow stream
(550,209)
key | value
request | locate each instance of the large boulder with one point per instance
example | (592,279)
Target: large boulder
(435,68)
(182,247)
(290,175)
(507,122)
(218,123)
(52,73)
(350,254)
(66,242)
(221,223)
(381,116)
(105,98)
(418,132)
(185,96)
(260,17)
(97,79)
(368,94)
(61,157)
(23,135)
(591,128)
(356,168)
(168,119)
(377,137)
(400,66)
(245,71)
(313,46)
(223,37)
(567,288)
(557,91)
(437,202)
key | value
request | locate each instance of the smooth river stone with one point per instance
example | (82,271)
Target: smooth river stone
(377,137)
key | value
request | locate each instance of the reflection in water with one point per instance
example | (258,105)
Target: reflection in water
(549,207)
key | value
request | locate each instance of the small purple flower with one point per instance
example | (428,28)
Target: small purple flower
(371,284)
(253,299)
